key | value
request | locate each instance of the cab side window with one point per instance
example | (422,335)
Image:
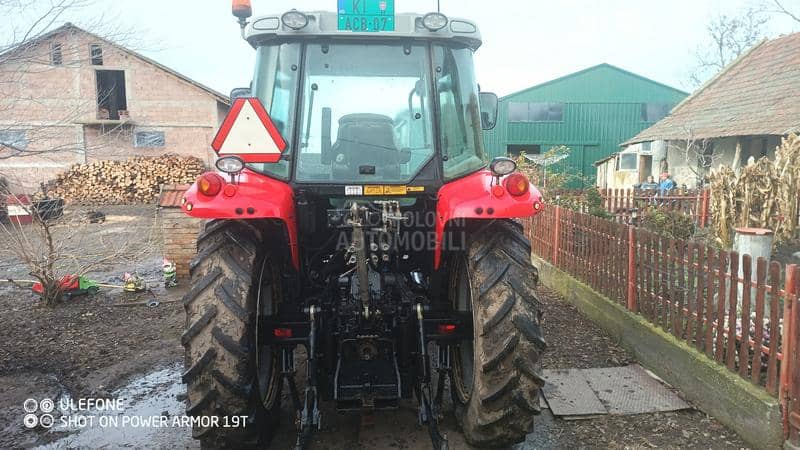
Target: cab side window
(460,122)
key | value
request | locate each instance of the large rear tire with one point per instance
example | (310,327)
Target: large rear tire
(226,373)
(497,377)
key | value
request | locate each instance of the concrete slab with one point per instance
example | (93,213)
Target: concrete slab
(568,393)
(631,390)
(584,393)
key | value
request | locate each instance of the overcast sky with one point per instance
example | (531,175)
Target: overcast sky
(526,42)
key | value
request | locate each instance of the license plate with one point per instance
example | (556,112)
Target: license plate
(366,15)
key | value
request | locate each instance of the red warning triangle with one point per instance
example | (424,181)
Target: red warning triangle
(249,133)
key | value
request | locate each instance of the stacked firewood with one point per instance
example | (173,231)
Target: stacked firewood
(136,180)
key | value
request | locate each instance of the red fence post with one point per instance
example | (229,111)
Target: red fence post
(704,208)
(556,236)
(790,369)
(632,304)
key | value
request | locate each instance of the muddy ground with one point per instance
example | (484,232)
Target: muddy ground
(92,347)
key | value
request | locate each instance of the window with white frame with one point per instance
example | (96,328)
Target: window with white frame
(149,139)
(13,139)
(627,162)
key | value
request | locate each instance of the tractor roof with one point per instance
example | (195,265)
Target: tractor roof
(267,28)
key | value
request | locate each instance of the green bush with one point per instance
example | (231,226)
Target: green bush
(594,202)
(672,224)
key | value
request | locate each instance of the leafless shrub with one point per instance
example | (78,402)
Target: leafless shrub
(697,155)
(51,248)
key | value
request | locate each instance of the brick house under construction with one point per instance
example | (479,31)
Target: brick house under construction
(70,97)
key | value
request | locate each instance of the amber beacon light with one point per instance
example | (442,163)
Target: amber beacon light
(242,9)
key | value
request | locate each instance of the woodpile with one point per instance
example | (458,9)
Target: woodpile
(136,180)
(762,195)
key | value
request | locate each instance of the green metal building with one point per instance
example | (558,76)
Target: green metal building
(591,112)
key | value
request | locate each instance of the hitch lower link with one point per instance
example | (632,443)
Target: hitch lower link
(429,405)
(310,418)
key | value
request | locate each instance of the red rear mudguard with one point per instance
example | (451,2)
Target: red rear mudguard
(254,196)
(473,197)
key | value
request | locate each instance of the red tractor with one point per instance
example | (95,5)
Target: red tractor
(356,216)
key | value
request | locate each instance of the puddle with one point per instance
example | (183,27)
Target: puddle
(146,413)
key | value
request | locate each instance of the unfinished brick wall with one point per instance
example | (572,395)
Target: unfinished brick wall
(179,231)
(180,238)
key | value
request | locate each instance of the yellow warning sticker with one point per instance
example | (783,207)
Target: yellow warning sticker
(392,190)
(395,190)
(373,190)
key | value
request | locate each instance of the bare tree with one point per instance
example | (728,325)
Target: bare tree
(25,56)
(729,36)
(790,12)
(56,245)
(696,155)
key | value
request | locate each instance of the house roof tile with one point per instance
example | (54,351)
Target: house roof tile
(755,95)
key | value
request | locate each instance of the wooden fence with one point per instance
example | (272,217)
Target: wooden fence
(740,312)
(622,202)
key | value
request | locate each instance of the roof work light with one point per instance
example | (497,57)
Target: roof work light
(295,20)
(434,21)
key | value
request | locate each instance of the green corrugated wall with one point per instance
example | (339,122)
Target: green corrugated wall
(602,108)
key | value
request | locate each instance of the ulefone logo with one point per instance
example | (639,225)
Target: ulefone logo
(31,420)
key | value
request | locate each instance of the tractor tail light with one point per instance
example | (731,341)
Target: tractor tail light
(446,328)
(282,333)
(209,184)
(517,184)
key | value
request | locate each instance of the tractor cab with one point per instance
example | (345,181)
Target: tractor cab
(363,101)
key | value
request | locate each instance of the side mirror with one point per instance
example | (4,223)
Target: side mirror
(489,106)
(240,92)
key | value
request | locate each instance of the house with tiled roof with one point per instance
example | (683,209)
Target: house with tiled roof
(741,113)
(72,97)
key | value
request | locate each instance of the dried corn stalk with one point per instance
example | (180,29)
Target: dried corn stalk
(787,167)
(763,195)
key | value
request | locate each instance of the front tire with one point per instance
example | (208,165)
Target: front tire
(224,374)
(497,376)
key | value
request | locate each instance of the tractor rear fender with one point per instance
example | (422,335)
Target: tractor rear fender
(477,196)
(252,196)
